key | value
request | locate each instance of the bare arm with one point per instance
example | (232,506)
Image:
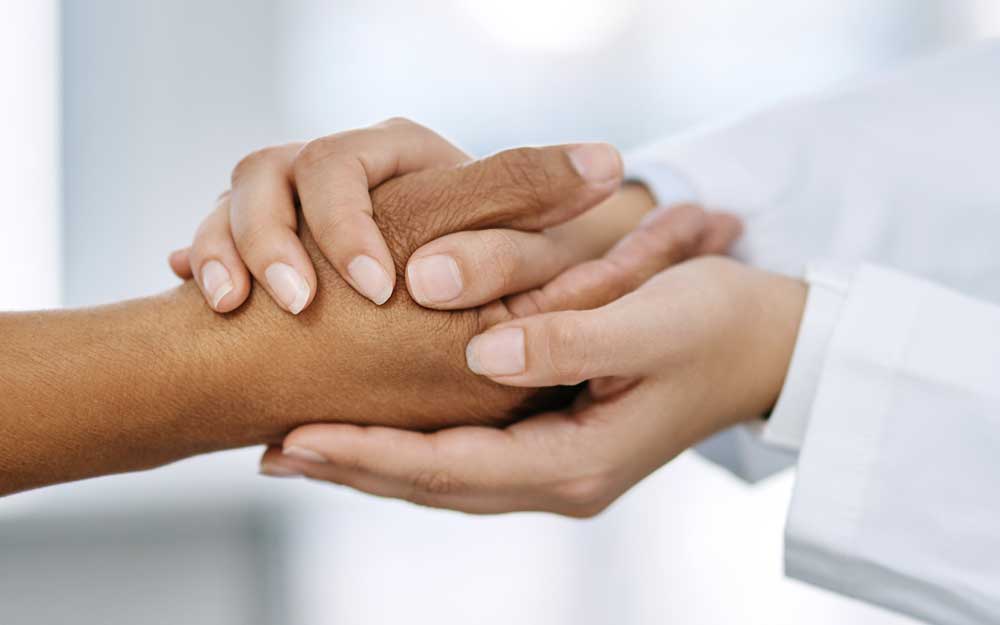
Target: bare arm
(110,389)
(145,382)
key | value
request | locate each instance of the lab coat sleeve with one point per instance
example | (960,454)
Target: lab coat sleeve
(897,498)
(894,170)
(787,424)
(740,450)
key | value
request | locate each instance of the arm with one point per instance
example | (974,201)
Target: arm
(896,497)
(146,382)
(113,389)
(897,170)
(697,348)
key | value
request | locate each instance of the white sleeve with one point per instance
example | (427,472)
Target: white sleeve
(899,170)
(787,424)
(897,498)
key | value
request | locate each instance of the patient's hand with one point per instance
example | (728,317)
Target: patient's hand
(140,383)
(344,360)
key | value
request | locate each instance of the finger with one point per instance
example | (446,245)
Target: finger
(454,469)
(467,269)
(573,346)
(722,231)
(334,175)
(483,266)
(215,263)
(665,237)
(180,264)
(523,188)
(472,469)
(264,227)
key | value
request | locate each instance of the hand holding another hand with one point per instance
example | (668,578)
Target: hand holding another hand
(343,360)
(702,346)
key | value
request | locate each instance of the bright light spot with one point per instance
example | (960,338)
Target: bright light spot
(552,25)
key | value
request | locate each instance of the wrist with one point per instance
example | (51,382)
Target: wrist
(111,389)
(223,399)
(780,304)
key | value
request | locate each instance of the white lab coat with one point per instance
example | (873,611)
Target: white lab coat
(885,196)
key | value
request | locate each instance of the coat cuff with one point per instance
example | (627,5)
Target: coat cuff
(787,424)
(895,498)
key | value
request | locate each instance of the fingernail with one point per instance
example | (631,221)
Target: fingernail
(216,281)
(301,453)
(497,353)
(289,286)
(371,279)
(276,470)
(434,279)
(596,162)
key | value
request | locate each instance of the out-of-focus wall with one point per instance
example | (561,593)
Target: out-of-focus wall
(29,154)
(162,98)
(160,101)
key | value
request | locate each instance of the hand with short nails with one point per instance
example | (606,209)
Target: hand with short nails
(253,230)
(403,365)
(699,347)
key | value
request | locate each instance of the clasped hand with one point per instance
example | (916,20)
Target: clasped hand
(675,344)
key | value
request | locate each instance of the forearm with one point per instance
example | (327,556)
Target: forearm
(110,389)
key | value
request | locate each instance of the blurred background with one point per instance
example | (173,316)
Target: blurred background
(119,123)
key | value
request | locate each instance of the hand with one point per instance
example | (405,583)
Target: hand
(700,347)
(331,177)
(145,382)
(404,365)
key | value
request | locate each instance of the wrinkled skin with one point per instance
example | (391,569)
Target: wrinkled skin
(346,360)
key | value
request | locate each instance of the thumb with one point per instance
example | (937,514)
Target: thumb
(572,346)
(534,188)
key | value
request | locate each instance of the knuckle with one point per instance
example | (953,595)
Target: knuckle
(522,182)
(521,165)
(564,351)
(435,483)
(315,153)
(678,246)
(330,226)
(583,497)
(502,256)
(585,512)
(255,238)
(210,234)
(352,462)
(250,163)
(397,120)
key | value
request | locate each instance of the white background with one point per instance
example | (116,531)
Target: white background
(159,100)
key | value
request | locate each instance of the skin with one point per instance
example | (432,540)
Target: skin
(142,383)
(254,226)
(674,373)
(700,347)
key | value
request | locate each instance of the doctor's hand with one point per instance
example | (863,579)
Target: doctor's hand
(149,381)
(342,360)
(700,347)
(254,233)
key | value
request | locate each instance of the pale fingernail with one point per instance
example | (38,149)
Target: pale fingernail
(216,281)
(497,353)
(276,470)
(291,288)
(596,162)
(434,279)
(371,279)
(301,453)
